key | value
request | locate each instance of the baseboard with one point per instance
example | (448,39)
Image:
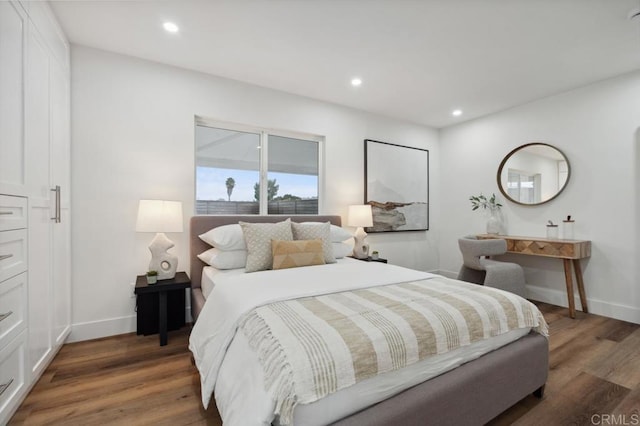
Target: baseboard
(596,306)
(113,326)
(108,327)
(559,298)
(102,328)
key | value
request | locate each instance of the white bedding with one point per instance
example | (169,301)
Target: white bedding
(211,274)
(227,363)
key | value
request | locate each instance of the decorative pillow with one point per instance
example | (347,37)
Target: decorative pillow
(226,237)
(338,234)
(220,259)
(258,238)
(341,250)
(315,231)
(293,254)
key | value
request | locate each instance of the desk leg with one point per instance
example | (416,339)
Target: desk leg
(569,281)
(162,326)
(580,282)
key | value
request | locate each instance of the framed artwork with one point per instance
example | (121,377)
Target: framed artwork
(396,185)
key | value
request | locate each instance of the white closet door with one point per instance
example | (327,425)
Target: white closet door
(37,134)
(12,36)
(60,176)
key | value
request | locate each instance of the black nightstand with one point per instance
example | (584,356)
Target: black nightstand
(369,259)
(160,306)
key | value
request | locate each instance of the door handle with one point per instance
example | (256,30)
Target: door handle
(57,217)
(5,386)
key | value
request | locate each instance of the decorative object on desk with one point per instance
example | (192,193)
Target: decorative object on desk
(152,277)
(533,174)
(399,196)
(161,216)
(494,223)
(375,255)
(552,231)
(360,216)
(567,228)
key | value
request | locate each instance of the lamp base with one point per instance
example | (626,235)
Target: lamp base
(162,261)
(360,247)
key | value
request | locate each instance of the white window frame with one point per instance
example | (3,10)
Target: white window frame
(264,133)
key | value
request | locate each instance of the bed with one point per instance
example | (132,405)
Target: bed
(472,393)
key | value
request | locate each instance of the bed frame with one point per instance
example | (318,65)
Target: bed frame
(471,394)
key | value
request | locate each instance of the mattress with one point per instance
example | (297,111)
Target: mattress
(210,274)
(238,378)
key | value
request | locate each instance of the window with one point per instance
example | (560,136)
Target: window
(524,187)
(242,170)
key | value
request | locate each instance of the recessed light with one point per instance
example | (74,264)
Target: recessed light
(170,27)
(356,81)
(456,112)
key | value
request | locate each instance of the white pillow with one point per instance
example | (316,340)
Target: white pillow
(226,237)
(341,250)
(258,237)
(315,231)
(219,259)
(337,233)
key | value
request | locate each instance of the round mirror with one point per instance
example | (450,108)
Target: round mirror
(533,174)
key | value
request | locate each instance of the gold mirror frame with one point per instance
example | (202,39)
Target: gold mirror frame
(520,148)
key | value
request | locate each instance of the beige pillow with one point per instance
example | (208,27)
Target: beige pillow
(293,254)
(258,238)
(338,234)
(315,231)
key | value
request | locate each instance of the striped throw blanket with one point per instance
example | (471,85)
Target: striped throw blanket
(314,346)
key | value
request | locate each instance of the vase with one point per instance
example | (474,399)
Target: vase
(493,224)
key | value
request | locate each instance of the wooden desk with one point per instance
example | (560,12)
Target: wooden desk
(567,250)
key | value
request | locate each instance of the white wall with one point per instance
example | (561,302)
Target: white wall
(133,138)
(597,127)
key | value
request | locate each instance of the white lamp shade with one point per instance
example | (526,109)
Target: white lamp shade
(159,216)
(360,216)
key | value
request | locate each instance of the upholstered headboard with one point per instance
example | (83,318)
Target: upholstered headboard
(201,224)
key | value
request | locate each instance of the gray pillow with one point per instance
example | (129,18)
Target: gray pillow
(258,238)
(315,231)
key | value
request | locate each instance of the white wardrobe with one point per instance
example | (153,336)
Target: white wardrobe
(35,281)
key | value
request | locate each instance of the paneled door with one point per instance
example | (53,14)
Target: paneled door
(37,141)
(60,180)
(12,45)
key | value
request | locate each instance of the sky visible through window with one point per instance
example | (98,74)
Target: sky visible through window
(210,184)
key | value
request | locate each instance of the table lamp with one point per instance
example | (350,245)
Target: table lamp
(161,216)
(360,216)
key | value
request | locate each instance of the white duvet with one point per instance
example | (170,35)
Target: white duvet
(227,364)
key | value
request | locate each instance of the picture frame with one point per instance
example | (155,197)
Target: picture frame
(396,185)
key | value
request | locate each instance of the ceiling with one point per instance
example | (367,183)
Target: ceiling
(418,60)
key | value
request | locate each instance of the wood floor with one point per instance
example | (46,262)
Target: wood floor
(130,380)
